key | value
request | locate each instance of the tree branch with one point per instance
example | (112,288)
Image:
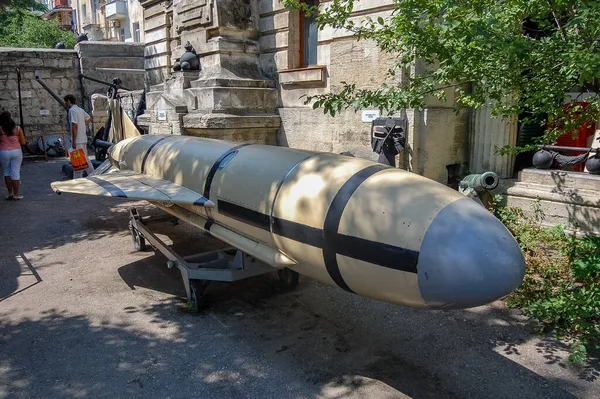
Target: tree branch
(560,28)
(444,87)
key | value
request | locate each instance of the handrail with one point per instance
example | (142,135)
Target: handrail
(565,148)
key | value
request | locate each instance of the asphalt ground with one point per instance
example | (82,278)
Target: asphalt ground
(83,315)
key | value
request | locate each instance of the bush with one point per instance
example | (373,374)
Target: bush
(561,288)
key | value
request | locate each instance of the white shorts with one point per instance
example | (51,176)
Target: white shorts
(11,163)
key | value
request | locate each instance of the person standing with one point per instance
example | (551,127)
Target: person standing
(78,121)
(11,155)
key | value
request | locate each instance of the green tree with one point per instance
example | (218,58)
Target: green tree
(21,27)
(514,56)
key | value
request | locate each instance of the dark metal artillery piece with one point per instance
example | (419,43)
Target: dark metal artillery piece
(478,187)
(548,158)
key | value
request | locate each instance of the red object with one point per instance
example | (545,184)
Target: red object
(584,132)
(78,159)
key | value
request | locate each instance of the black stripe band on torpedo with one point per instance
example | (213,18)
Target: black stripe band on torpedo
(148,153)
(217,165)
(332,222)
(358,248)
(383,233)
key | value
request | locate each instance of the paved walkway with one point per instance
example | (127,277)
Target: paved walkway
(83,315)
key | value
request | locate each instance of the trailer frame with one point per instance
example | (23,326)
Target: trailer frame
(198,270)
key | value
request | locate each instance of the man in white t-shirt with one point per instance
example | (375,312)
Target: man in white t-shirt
(78,121)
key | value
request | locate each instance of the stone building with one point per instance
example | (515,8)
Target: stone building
(258,62)
(109,20)
(59,11)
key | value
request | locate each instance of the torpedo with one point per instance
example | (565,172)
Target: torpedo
(370,229)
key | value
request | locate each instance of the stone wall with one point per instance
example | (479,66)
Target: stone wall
(57,68)
(312,130)
(110,55)
(559,197)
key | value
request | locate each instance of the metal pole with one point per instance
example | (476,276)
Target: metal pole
(54,95)
(103,82)
(563,148)
(21,108)
(84,99)
(112,94)
(20,102)
(124,70)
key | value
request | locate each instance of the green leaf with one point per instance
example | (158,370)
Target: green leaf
(510,56)
(20,28)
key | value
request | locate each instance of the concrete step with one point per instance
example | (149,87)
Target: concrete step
(561,179)
(225,98)
(580,197)
(228,121)
(581,219)
(232,82)
(570,199)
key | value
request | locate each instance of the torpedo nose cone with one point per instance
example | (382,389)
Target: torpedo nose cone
(468,258)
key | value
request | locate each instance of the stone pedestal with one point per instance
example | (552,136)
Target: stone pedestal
(247,128)
(229,98)
(486,133)
(571,199)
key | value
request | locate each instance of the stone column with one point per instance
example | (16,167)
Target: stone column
(229,97)
(487,133)
(158,15)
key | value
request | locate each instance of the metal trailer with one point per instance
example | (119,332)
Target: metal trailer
(198,270)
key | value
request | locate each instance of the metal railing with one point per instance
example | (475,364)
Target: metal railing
(548,158)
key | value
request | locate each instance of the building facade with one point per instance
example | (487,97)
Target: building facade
(308,61)
(260,60)
(109,20)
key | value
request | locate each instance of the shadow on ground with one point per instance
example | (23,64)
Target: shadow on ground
(44,220)
(329,337)
(253,339)
(280,334)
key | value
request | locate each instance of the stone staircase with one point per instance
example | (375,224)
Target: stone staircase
(571,199)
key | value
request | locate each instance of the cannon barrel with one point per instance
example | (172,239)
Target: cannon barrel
(52,93)
(116,82)
(102,144)
(480,182)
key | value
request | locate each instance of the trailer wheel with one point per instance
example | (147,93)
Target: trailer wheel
(288,277)
(197,288)
(139,242)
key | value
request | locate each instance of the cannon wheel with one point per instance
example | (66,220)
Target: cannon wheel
(288,277)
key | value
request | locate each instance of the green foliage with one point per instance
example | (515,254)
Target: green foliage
(513,56)
(561,288)
(21,28)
